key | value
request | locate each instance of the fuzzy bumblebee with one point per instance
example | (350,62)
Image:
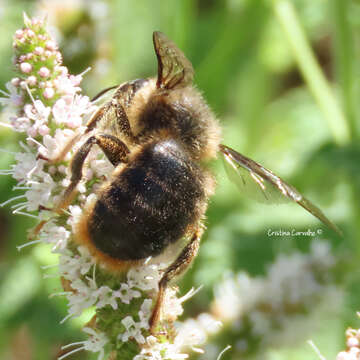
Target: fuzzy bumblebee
(158,134)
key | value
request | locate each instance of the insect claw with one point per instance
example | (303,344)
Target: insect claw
(42,157)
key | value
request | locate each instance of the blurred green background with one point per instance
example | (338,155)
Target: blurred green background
(248,69)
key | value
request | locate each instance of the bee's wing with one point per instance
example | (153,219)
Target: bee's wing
(263,185)
(174,69)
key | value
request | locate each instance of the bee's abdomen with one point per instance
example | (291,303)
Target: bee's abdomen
(151,203)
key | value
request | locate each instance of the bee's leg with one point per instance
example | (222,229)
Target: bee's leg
(102,112)
(112,110)
(97,116)
(176,268)
(34,232)
(115,109)
(114,149)
(64,150)
(122,121)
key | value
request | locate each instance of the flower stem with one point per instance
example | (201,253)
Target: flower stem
(311,70)
(345,59)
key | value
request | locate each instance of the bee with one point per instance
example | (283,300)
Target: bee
(158,133)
